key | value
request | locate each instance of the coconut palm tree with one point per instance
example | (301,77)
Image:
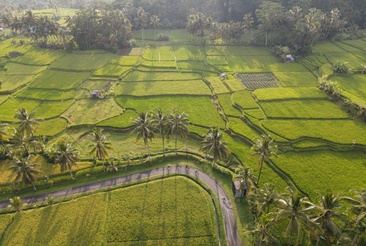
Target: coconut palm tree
(4,135)
(66,156)
(20,144)
(100,145)
(25,170)
(265,148)
(160,123)
(327,216)
(27,122)
(292,212)
(178,126)
(16,203)
(144,129)
(263,235)
(213,144)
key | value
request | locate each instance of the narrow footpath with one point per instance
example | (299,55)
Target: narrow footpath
(232,236)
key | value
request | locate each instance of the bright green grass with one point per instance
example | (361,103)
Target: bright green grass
(218,86)
(251,63)
(194,52)
(10,106)
(164,211)
(37,56)
(160,76)
(241,128)
(6,46)
(51,79)
(256,113)
(306,109)
(197,66)
(296,79)
(151,54)
(338,131)
(82,61)
(181,53)
(327,48)
(125,60)
(43,94)
(190,87)
(316,172)
(151,65)
(202,131)
(260,51)
(111,70)
(348,46)
(3,98)
(90,111)
(353,61)
(358,43)
(244,99)
(51,127)
(217,50)
(217,60)
(289,93)
(12,68)
(234,85)
(288,67)
(326,71)
(5,220)
(12,82)
(194,106)
(50,109)
(239,50)
(226,104)
(120,121)
(166,53)
(355,84)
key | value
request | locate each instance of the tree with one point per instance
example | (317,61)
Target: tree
(4,135)
(100,145)
(263,235)
(197,23)
(160,123)
(213,144)
(142,21)
(16,203)
(155,22)
(265,148)
(327,216)
(144,129)
(25,170)
(27,122)
(293,212)
(269,14)
(20,144)
(66,156)
(178,126)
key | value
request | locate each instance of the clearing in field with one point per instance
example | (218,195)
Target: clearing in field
(253,81)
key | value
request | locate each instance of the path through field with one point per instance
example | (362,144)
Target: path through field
(232,236)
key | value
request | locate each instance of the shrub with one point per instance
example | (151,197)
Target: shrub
(331,88)
(341,67)
(162,37)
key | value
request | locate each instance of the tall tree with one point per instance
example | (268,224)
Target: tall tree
(155,23)
(264,148)
(142,21)
(160,124)
(178,126)
(144,129)
(213,144)
(66,156)
(100,145)
(197,24)
(4,135)
(27,122)
(269,14)
(25,170)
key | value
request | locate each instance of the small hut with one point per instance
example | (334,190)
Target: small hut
(95,94)
(289,58)
(239,188)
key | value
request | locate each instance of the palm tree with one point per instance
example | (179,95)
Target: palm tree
(178,126)
(65,156)
(213,144)
(263,234)
(16,203)
(25,170)
(327,217)
(359,208)
(160,123)
(142,21)
(144,129)
(265,148)
(4,135)
(100,145)
(265,198)
(155,23)
(27,122)
(292,211)
(20,144)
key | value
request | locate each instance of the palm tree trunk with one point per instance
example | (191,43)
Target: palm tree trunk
(261,160)
(148,151)
(163,145)
(176,138)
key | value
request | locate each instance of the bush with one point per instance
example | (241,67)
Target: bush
(162,37)
(341,67)
(13,54)
(331,88)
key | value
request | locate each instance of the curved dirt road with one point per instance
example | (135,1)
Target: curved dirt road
(232,236)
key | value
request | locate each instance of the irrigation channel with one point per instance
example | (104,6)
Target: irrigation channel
(232,236)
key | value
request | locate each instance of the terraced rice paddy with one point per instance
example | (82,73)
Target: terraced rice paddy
(260,95)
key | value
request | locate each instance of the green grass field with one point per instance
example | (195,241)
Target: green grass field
(183,209)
